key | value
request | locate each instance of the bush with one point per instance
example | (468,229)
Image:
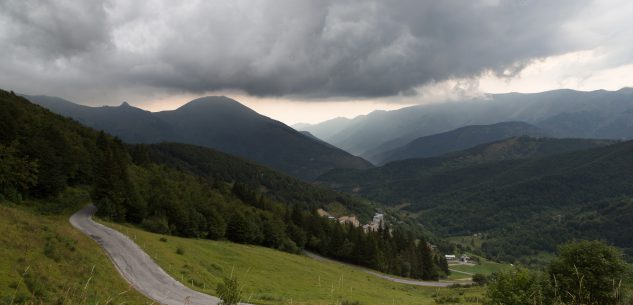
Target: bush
(519,286)
(480,279)
(229,291)
(180,251)
(589,272)
(586,272)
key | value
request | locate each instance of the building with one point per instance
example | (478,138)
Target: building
(377,223)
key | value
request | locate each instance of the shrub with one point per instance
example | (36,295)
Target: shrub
(229,291)
(480,279)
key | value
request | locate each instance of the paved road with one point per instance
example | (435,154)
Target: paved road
(386,277)
(136,266)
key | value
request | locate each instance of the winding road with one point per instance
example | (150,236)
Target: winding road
(147,277)
(136,266)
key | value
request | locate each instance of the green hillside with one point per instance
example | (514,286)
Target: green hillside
(274,277)
(526,206)
(46,261)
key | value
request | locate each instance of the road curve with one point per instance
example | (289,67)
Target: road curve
(136,266)
(384,276)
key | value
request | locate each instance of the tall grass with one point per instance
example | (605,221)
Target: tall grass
(72,295)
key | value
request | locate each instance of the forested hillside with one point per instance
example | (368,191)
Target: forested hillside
(219,166)
(523,206)
(182,190)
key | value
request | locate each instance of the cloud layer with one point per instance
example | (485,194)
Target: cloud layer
(273,48)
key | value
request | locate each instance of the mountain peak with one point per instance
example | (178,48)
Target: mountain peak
(125,104)
(212,100)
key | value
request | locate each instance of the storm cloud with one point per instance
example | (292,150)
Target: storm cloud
(273,48)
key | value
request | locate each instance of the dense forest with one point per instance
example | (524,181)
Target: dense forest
(523,207)
(212,164)
(42,154)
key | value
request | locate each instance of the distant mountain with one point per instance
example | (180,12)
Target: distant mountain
(324,130)
(217,122)
(458,139)
(524,205)
(561,113)
(132,124)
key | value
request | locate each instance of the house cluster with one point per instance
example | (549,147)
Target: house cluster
(454,259)
(377,223)
(343,219)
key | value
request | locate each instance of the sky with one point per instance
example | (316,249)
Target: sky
(309,61)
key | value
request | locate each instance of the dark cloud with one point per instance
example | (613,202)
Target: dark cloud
(271,48)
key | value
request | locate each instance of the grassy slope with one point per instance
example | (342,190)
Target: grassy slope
(484,267)
(59,261)
(273,277)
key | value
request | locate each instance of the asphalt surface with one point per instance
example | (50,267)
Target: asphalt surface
(136,266)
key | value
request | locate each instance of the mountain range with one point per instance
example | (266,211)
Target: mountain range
(559,113)
(216,122)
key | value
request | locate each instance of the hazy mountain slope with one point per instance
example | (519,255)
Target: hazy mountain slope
(220,123)
(532,204)
(313,137)
(324,130)
(563,113)
(458,139)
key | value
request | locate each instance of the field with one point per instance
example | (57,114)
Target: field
(274,277)
(46,261)
(485,267)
